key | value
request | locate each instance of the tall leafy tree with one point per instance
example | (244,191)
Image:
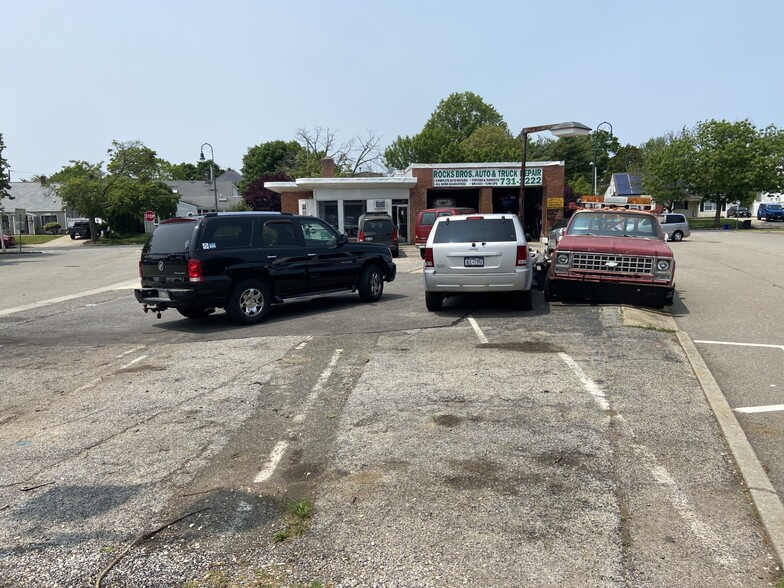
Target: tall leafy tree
(5,182)
(666,161)
(453,121)
(491,143)
(730,161)
(268,158)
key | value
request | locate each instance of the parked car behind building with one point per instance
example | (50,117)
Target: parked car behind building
(378,227)
(738,212)
(425,220)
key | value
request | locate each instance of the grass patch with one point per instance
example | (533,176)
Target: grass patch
(297,519)
(136,239)
(34,239)
(709,223)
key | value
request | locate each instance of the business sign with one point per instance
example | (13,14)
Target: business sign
(555,203)
(450,178)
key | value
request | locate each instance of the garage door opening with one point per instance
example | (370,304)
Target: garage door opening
(458,198)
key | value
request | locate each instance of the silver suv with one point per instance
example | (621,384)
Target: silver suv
(675,225)
(473,253)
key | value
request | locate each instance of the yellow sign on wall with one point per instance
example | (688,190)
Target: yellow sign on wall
(555,203)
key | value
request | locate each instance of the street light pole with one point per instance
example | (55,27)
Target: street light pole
(595,145)
(565,129)
(212,171)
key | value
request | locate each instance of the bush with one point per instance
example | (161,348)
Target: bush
(53,228)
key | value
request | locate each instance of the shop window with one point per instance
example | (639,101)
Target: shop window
(352,209)
(329,212)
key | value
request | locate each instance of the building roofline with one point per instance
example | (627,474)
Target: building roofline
(306,184)
(481,164)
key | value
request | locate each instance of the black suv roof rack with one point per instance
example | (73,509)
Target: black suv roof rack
(246,212)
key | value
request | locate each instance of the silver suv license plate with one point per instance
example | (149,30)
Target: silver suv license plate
(473,261)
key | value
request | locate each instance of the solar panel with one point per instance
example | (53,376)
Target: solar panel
(622,186)
(627,184)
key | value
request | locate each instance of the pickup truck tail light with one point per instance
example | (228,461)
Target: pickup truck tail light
(522,255)
(140,269)
(195,271)
(429,257)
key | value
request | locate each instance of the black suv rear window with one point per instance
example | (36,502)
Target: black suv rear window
(465,231)
(173,238)
(378,226)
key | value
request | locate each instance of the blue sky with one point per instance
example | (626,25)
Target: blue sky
(173,74)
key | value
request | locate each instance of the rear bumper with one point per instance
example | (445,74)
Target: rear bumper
(174,298)
(605,291)
(455,283)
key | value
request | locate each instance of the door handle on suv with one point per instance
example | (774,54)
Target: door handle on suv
(312,254)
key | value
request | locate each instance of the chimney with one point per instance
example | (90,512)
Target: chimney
(327,167)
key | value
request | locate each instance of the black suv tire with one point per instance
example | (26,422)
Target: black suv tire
(371,284)
(249,301)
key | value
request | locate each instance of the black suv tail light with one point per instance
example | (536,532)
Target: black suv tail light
(195,272)
(361,236)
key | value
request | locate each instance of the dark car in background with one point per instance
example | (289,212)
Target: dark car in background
(244,262)
(738,212)
(378,227)
(9,241)
(80,230)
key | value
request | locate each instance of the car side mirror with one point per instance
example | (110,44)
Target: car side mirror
(342,239)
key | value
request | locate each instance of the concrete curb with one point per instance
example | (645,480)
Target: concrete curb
(766,500)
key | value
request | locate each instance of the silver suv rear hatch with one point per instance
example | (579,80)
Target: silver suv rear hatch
(475,245)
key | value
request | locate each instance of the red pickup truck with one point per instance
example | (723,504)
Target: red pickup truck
(612,255)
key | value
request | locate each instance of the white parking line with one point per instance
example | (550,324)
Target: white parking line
(274,458)
(138,359)
(477,330)
(319,385)
(33,305)
(588,384)
(307,340)
(769,408)
(741,344)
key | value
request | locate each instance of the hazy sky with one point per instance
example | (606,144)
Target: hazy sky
(172,74)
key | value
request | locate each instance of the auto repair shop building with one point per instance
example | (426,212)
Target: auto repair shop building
(486,187)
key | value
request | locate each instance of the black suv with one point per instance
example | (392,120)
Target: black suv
(245,261)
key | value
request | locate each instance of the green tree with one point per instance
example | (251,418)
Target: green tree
(131,159)
(5,182)
(666,168)
(729,162)
(128,199)
(453,121)
(268,158)
(491,143)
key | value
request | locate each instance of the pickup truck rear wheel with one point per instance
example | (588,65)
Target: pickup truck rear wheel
(371,284)
(249,301)
(73,236)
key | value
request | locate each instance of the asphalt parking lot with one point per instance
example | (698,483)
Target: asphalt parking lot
(478,446)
